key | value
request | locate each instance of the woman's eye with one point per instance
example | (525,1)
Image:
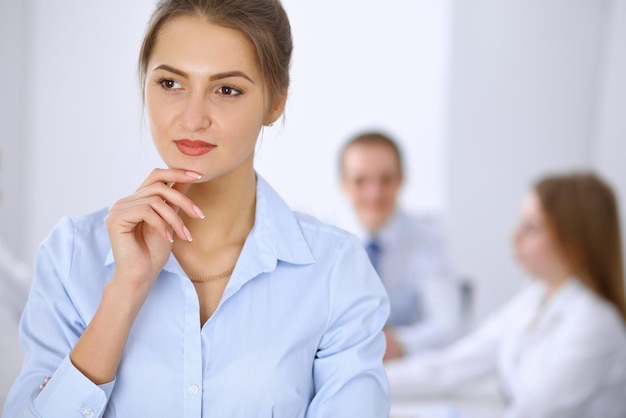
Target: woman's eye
(168,84)
(228,91)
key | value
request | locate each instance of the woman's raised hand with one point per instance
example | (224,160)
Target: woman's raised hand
(142,226)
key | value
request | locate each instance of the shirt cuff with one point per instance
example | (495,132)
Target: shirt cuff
(69,393)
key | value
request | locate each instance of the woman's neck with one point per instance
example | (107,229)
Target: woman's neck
(554,284)
(228,204)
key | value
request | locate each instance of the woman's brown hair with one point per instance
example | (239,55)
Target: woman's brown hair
(263,22)
(582,213)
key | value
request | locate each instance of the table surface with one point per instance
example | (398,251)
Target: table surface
(445,409)
(481,401)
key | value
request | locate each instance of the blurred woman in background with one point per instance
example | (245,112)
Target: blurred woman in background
(559,347)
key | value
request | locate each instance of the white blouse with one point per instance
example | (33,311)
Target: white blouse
(563,358)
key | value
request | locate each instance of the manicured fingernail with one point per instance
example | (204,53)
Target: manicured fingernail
(187,234)
(194,175)
(170,236)
(198,212)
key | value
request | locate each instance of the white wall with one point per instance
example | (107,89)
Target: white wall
(13,44)
(383,67)
(84,115)
(524,101)
(13,143)
(609,152)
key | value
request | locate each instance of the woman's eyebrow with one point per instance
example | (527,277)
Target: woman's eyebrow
(214,77)
(171,70)
(229,74)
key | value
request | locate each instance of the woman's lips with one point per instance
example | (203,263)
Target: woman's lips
(193,148)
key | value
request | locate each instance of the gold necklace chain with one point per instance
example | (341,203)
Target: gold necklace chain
(213,277)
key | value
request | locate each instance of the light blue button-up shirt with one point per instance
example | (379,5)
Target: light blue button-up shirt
(296,334)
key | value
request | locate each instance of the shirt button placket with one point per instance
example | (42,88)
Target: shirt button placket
(194,389)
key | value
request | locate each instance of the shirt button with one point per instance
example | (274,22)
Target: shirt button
(89,413)
(194,389)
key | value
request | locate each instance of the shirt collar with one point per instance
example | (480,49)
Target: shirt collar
(276,235)
(277,231)
(387,233)
(562,301)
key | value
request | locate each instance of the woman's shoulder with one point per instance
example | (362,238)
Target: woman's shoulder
(588,302)
(312,225)
(322,235)
(594,317)
(90,221)
(74,255)
(87,233)
(88,225)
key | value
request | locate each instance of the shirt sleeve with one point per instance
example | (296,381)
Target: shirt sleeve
(445,371)
(49,328)
(348,371)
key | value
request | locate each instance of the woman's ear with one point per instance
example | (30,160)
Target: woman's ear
(276,109)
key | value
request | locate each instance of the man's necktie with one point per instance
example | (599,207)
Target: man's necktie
(373,252)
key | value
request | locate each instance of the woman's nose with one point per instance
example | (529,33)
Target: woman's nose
(195,116)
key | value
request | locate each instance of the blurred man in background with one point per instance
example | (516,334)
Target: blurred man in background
(406,251)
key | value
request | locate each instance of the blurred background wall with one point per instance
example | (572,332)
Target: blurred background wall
(484,96)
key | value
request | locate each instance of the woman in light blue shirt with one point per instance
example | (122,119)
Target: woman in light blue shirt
(202,294)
